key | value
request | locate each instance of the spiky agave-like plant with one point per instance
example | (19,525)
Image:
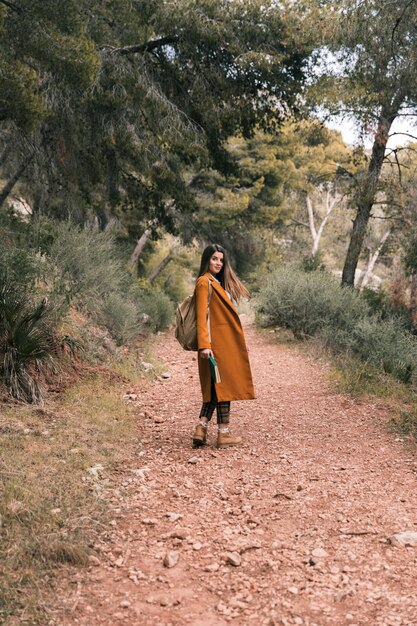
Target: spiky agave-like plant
(26,343)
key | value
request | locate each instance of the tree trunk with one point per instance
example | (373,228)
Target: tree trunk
(366,196)
(373,258)
(5,154)
(413,297)
(154,275)
(316,234)
(311,223)
(7,189)
(141,242)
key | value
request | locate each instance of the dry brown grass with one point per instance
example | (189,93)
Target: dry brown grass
(51,507)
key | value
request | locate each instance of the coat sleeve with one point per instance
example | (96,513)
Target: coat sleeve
(201,303)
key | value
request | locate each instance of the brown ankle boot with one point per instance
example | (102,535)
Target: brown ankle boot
(200,436)
(225,440)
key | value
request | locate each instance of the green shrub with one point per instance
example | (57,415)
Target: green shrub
(314,304)
(121,317)
(383,306)
(87,265)
(159,308)
(26,343)
(19,268)
(91,274)
(308,302)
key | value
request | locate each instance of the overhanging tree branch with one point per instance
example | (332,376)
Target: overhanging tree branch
(396,25)
(145,47)
(405,134)
(11,6)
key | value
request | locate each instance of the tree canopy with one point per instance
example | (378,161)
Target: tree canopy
(114,99)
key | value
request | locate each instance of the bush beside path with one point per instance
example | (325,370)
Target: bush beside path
(290,528)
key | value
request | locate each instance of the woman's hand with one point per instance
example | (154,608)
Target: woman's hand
(206,353)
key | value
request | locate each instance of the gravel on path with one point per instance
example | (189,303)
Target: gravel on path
(291,527)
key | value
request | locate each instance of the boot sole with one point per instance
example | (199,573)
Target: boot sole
(221,446)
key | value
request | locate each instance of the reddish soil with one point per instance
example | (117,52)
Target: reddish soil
(305,506)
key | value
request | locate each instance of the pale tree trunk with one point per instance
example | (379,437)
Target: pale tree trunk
(366,193)
(316,234)
(413,297)
(8,188)
(154,275)
(373,258)
(141,243)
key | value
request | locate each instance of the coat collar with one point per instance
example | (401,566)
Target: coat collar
(219,289)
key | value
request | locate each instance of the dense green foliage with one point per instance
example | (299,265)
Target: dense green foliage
(313,304)
(115,101)
(43,279)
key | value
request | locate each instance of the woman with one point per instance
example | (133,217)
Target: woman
(220,335)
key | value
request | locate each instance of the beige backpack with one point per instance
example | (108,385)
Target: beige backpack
(186,322)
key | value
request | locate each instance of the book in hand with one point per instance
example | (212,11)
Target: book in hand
(214,370)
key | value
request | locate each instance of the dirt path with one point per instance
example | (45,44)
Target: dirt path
(303,509)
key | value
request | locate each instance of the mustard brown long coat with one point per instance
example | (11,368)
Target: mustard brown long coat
(227,343)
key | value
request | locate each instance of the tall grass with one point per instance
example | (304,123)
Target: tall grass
(51,508)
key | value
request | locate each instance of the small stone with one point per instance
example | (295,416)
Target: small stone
(147,366)
(319,553)
(93,560)
(171,559)
(136,575)
(158,420)
(403,539)
(95,470)
(149,521)
(130,397)
(299,487)
(233,558)
(173,517)
(166,375)
(293,590)
(197,546)
(125,604)
(55,511)
(212,567)
(193,460)
(178,533)
(164,602)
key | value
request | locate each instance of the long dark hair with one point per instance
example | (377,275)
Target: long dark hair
(227,278)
